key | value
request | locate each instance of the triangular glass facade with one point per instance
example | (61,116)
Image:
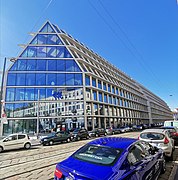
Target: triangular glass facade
(47,72)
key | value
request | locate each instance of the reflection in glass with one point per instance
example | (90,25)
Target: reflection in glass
(69,79)
(40,79)
(11,79)
(19,94)
(51,65)
(51,79)
(61,79)
(31,65)
(29,94)
(20,79)
(10,94)
(30,79)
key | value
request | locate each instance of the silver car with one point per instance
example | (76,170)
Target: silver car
(15,141)
(161,139)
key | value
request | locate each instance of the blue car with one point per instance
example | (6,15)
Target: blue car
(112,158)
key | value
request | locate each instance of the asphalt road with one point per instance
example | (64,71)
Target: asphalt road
(39,162)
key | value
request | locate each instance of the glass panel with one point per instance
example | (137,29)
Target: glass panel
(94,95)
(100,97)
(51,79)
(29,94)
(35,40)
(61,65)
(42,39)
(20,79)
(78,79)
(41,65)
(99,84)
(11,78)
(51,51)
(87,80)
(109,88)
(47,28)
(32,52)
(31,65)
(50,93)
(105,98)
(67,54)
(42,94)
(22,65)
(76,67)
(60,52)
(58,41)
(41,51)
(14,66)
(69,79)
(51,65)
(18,109)
(19,94)
(30,80)
(104,86)
(40,79)
(61,79)
(10,94)
(9,110)
(69,65)
(94,82)
(51,39)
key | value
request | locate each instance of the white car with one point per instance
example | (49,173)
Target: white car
(15,141)
(161,139)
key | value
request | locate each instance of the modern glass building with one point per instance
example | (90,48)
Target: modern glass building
(56,80)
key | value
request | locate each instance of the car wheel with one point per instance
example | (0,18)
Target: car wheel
(88,136)
(27,146)
(113,133)
(50,143)
(163,168)
(1,149)
(96,135)
(78,138)
(105,134)
(68,140)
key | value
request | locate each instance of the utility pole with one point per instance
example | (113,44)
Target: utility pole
(1,95)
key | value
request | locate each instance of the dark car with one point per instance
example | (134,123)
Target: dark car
(56,137)
(80,134)
(98,132)
(110,158)
(173,132)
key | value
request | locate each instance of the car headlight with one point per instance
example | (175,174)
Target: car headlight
(45,139)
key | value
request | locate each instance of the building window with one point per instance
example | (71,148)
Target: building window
(99,84)
(94,82)
(105,98)
(100,97)
(95,95)
(104,87)
(109,88)
(87,80)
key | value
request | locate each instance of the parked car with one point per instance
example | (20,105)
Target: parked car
(80,134)
(56,137)
(15,141)
(173,132)
(97,132)
(159,138)
(113,158)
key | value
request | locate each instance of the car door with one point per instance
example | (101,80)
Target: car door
(11,142)
(21,140)
(140,163)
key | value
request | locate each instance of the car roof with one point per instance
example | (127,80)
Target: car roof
(154,130)
(114,142)
(168,127)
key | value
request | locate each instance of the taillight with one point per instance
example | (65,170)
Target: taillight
(166,140)
(58,173)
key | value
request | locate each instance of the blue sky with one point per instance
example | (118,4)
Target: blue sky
(139,37)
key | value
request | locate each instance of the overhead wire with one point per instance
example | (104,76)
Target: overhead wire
(136,52)
(37,21)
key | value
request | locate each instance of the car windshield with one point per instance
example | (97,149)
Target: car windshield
(52,134)
(98,154)
(152,136)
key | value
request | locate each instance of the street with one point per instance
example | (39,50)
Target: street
(39,162)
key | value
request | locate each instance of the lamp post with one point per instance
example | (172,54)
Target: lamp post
(1,94)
